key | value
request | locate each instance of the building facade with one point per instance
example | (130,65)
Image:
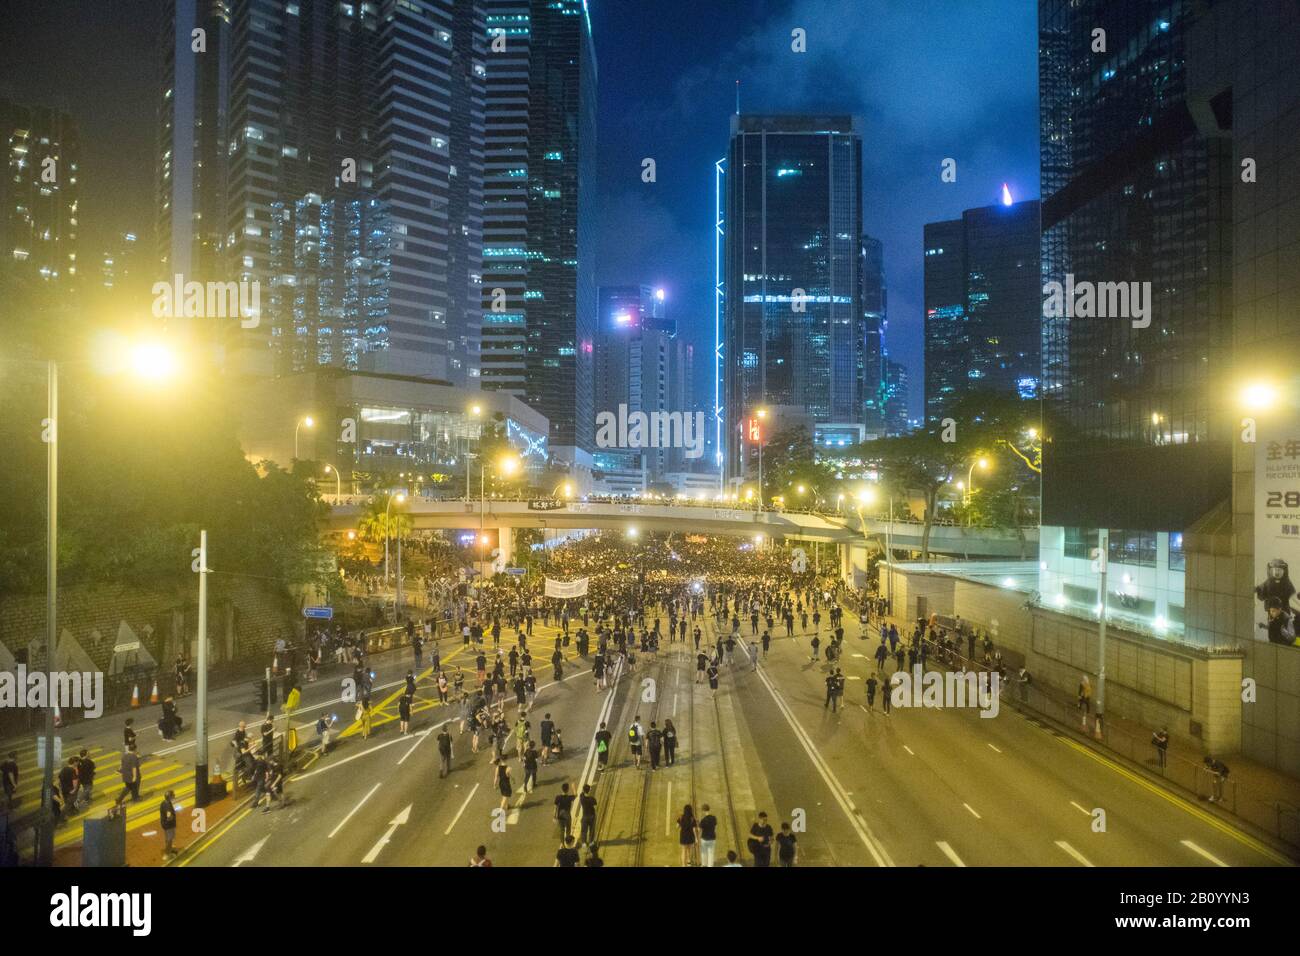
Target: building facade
(538,289)
(793,322)
(360,102)
(39,195)
(874,326)
(983,304)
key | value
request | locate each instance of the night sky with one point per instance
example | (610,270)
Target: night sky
(930,80)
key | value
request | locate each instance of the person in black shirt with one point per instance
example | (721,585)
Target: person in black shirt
(444,752)
(603,742)
(760,841)
(655,742)
(587,812)
(670,743)
(564,812)
(167,817)
(68,784)
(9,776)
(128,734)
(708,835)
(787,849)
(567,854)
(268,733)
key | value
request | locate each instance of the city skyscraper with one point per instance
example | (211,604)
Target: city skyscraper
(538,291)
(897,395)
(874,325)
(983,305)
(1149,152)
(39,196)
(194,93)
(793,322)
(642,363)
(364,102)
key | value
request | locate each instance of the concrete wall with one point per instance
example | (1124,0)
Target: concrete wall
(1156,683)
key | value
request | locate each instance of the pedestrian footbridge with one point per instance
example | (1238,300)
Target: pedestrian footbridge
(563,515)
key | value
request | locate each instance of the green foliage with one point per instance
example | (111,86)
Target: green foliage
(141,470)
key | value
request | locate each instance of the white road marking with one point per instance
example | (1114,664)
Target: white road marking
(858,823)
(994,749)
(249,855)
(1080,809)
(908,749)
(1205,853)
(422,734)
(513,816)
(950,853)
(396,822)
(353,811)
(1079,857)
(972,811)
(456,818)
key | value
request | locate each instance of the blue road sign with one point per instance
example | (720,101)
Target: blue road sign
(516,570)
(321,613)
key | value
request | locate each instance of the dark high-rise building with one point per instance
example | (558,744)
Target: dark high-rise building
(874,325)
(1136,185)
(539,294)
(642,363)
(897,396)
(38,195)
(983,303)
(194,91)
(363,103)
(793,330)
(1166,162)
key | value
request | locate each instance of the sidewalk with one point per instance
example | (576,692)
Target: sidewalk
(1253,794)
(169,764)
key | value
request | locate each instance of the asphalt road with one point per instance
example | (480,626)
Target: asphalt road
(932,787)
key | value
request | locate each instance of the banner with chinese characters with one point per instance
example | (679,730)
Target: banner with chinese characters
(566,589)
(1277,531)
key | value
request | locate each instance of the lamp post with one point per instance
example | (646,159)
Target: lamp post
(507,466)
(338,482)
(201,685)
(388,528)
(970,476)
(477,412)
(762,414)
(148,361)
(305,420)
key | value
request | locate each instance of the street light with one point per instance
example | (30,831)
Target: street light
(631,533)
(970,477)
(388,528)
(762,414)
(305,420)
(150,362)
(338,483)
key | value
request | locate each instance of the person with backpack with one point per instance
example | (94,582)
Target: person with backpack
(603,740)
(635,738)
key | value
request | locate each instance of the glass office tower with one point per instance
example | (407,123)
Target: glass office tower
(793,319)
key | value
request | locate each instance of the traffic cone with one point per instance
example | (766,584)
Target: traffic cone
(135,697)
(153,697)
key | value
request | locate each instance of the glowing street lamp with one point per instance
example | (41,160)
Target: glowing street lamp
(1258,396)
(338,483)
(152,363)
(307,421)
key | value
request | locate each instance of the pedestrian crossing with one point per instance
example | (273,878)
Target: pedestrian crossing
(386,711)
(157,776)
